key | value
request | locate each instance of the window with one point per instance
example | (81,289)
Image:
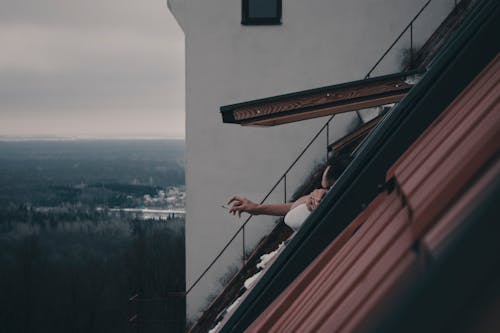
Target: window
(261,12)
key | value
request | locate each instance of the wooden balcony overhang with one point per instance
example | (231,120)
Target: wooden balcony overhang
(319,102)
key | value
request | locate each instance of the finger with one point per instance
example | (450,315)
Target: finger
(239,206)
(318,197)
(234,198)
(235,208)
(308,204)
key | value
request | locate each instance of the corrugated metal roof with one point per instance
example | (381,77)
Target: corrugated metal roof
(435,180)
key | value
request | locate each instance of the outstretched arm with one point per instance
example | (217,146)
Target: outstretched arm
(243,205)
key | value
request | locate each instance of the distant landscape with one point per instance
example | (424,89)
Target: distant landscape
(84,226)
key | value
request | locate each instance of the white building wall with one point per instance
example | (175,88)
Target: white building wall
(321,42)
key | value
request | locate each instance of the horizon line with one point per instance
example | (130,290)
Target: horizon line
(86,137)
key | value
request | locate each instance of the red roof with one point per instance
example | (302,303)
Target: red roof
(436,180)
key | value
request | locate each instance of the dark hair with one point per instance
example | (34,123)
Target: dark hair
(337,165)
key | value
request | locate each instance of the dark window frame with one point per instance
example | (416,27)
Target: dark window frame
(247,20)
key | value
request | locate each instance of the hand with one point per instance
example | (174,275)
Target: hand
(314,198)
(242,205)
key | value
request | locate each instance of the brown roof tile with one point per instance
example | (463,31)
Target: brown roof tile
(438,177)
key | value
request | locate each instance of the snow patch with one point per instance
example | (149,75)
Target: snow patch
(413,79)
(265,258)
(216,328)
(234,304)
(251,280)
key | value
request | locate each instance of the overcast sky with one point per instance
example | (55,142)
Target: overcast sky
(90,68)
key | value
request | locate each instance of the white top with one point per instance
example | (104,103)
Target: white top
(296,216)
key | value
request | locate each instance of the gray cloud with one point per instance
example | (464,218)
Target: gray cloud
(84,67)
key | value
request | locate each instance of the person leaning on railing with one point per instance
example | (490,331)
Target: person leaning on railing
(295,213)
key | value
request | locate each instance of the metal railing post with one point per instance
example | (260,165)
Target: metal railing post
(411,45)
(244,255)
(327,138)
(397,39)
(359,117)
(284,188)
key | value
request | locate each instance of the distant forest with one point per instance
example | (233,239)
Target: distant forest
(90,172)
(73,268)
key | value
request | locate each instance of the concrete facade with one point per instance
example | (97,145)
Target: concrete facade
(319,43)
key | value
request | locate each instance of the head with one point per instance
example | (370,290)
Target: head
(334,169)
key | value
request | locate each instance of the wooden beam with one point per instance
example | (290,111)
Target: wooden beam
(357,134)
(319,102)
